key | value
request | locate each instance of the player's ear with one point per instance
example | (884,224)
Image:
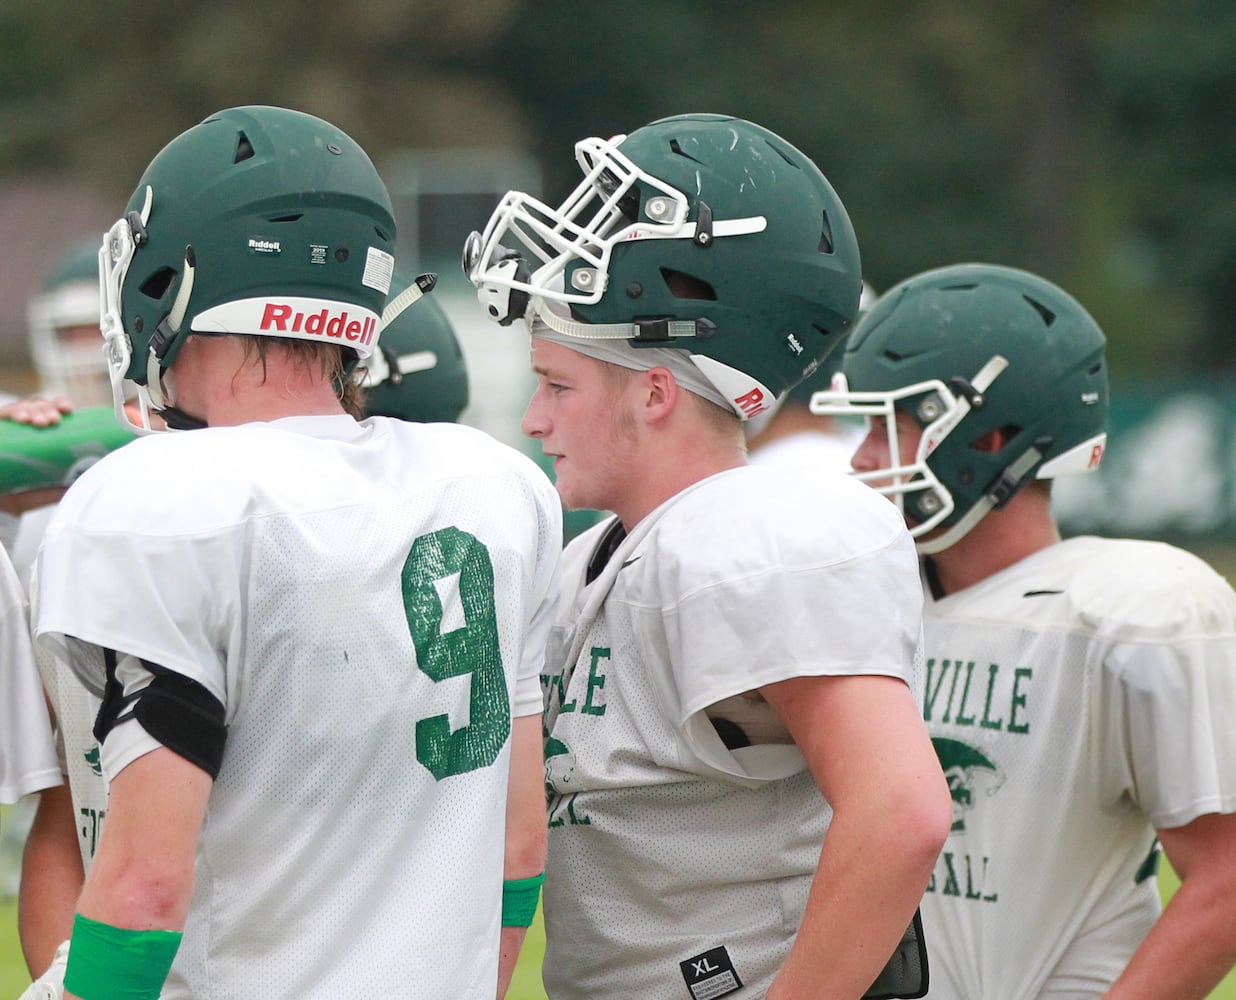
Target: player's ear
(660,393)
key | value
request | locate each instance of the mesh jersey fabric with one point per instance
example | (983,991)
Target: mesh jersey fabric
(663,843)
(369,602)
(27,748)
(1078,700)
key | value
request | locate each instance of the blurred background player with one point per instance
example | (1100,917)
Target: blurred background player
(418,371)
(63,330)
(789,432)
(715,702)
(1080,693)
(246,278)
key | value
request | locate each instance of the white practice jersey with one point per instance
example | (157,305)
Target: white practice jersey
(679,867)
(75,711)
(27,749)
(828,449)
(370,604)
(1078,700)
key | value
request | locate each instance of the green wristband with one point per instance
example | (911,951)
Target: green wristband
(519,899)
(112,963)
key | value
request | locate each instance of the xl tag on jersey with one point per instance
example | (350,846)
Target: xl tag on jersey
(710,975)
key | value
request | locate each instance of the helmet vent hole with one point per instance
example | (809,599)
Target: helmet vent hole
(781,153)
(1049,317)
(826,235)
(244,149)
(677,148)
(686,286)
(156,286)
(296,217)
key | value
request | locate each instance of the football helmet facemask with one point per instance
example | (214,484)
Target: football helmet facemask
(259,220)
(966,351)
(701,232)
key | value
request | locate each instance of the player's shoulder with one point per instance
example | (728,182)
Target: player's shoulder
(784,505)
(1143,589)
(762,520)
(461,446)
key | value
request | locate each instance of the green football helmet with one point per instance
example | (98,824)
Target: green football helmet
(66,347)
(418,372)
(700,232)
(967,350)
(259,220)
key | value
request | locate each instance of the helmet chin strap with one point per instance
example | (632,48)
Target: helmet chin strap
(541,309)
(165,335)
(1005,486)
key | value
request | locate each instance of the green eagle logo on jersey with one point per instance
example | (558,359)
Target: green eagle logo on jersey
(559,766)
(967,770)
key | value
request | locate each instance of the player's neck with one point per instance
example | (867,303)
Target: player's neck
(1000,540)
(224,386)
(671,466)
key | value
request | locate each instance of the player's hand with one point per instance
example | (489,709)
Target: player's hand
(37,411)
(50,985)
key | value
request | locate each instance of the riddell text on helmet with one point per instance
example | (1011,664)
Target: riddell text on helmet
(282,318)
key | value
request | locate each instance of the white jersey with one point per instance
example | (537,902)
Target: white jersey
(676,863)
(369,602)
(27,749)
(75,709)
(1078,700)
(827,449)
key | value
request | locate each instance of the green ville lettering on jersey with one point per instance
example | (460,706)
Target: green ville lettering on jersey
(555,684)
(952,883)
(965,711)
(596,682)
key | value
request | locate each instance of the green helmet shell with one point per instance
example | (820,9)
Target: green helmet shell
(1050,401)
(424,377)
(777,302)
(270,206)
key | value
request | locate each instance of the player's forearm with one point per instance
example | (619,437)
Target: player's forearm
(512,942)
(51,880)
(870,880)
(1188,951)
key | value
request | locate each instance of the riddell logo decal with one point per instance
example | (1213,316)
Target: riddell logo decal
(751,403)
(264,246)
(281,318)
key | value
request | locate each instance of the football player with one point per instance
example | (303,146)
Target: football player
(418,374)
(318,681)
(1080,693)
(743,798)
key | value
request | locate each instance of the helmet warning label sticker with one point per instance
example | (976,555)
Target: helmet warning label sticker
(379,268)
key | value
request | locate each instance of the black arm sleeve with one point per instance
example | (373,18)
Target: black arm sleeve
(176,710)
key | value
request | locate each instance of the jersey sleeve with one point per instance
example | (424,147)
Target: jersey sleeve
(763,595)
(543,598)
(28,760)
(150,584)
(1168,693)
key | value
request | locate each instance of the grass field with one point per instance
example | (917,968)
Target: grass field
(526,984)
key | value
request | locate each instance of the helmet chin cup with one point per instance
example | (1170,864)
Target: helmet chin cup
(501,302)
